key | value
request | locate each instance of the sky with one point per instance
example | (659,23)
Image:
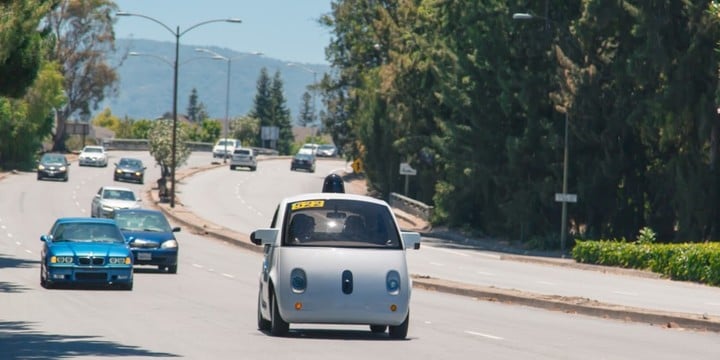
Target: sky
(286,30)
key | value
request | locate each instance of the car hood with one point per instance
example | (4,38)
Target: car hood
(151,236)
(121,204)
(89,249)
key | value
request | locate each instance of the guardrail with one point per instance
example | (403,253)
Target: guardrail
(411,206)
(142,144)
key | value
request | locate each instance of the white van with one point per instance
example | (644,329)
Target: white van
(225,147)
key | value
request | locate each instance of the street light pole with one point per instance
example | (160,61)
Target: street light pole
(177,34)
(314,105)
(564,197)
(217,56)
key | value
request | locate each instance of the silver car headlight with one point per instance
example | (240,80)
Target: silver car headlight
(392,282)
(107,208)
(298,280)
(62,168)
(41,167)
(116,260)
(170,244)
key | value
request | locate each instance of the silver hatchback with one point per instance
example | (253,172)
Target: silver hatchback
(243,157)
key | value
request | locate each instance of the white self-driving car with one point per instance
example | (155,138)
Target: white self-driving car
(334,258)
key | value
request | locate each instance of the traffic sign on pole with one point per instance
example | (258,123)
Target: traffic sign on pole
(571,198)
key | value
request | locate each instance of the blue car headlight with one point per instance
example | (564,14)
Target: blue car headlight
(298,280)
(170,244)
(117,260)
(61,260)
(392,282)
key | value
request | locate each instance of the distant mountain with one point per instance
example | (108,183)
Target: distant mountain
(145,85)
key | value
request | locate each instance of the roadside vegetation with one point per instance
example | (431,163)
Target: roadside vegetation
(474,100)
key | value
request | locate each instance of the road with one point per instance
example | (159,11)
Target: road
(207,310)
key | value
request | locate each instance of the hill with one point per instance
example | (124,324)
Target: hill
(145,84)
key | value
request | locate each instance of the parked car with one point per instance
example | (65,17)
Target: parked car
(309,148)
(243,157)
(129,169)
(152,239)
(111,198)
(334,258)
(303,161)
(53,166)
(93,156)
(85,251)
(225,147)
(327,150)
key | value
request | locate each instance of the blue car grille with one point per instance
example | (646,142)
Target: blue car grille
(91,261)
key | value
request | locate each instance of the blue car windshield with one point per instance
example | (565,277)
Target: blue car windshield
(87,232)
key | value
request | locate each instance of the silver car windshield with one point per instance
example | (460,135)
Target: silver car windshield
(340,223)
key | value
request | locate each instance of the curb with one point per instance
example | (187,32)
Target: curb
(576,305)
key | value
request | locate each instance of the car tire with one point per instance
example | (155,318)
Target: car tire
(39,177)
(44,282)
(400,331)
(172,269)
(232,167)
(278,326)
(378,329)
(253,168)
(127,286)
(65,179)
(263,325)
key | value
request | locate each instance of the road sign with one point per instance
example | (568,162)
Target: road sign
(571,198)
(406,169)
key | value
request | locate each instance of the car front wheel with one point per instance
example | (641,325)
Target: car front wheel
(278,326)
(400,331)
(263,325)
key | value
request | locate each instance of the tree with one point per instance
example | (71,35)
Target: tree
(83,35)
(246,129)
(281,115)
(196,111)
(107,120)
(160,143)
(21,44)
(26,122)
(306,116)
(262,104)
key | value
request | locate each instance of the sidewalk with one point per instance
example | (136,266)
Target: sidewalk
(578,305)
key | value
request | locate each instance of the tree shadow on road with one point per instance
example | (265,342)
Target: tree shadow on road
(18,340)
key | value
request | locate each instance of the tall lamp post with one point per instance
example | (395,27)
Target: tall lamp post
(216,56)
(177,34)
(314,109)
(564,197)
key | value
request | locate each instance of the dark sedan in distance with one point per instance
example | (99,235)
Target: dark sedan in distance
(303,161)
(130,169)
(150,236)
(53,166)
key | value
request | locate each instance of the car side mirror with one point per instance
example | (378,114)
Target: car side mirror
(263,236)
(130,239)
(45,238)
(176,229)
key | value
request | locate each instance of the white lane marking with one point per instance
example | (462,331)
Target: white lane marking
(447,251)
(198,266)
(9,235)
(436,263)
(712,304)
(546,283)
(485,273)
(28,251)
(493,337)
(428,322)
(628,293)
(18,243)
(228,275)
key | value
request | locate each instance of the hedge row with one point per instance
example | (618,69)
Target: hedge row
(691,262)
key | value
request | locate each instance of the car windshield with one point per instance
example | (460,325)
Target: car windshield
(92,150)
(130,163)
(53,159)
(87,232)
(119,195)
(226,142)
(340,223)
(303,157)
(326,147)
(142,221)
(242,152)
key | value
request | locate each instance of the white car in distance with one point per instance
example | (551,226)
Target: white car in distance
(110,198)
(334,258)
(93,156)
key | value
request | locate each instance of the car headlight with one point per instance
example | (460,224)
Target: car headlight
(107,208)
(298,280)
(61,260)
(137,173)
(62,168)
(118,171)
(169,244)
(41,167)
(116,260)
(392,282)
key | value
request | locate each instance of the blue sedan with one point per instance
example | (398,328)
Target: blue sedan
(85,251)
(151,238)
